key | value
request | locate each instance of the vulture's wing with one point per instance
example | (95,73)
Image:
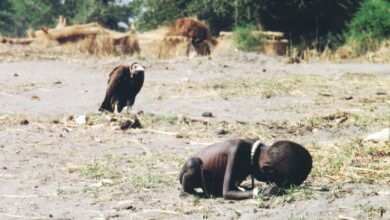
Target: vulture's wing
(116,77)
(112,72)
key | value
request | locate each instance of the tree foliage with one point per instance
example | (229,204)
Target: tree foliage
(246,39)
(307,20)
(310,20)
(6,17)
(314,22)
(17,16)
(34,14)
(370,25)
(105,12)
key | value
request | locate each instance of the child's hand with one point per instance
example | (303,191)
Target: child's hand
(273,190)
(256,191)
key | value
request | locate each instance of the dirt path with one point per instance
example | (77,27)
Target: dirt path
(55,168)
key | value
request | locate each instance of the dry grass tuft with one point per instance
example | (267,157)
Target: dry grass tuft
(355,161)
(114,177)
(185,35)
(345,52)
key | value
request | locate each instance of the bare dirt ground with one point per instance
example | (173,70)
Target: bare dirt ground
(54,168)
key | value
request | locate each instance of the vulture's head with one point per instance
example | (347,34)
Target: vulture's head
(136,68)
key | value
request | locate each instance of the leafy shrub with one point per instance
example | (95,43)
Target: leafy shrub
(369,26)
(246,39)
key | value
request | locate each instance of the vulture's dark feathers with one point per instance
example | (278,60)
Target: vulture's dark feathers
(124,83)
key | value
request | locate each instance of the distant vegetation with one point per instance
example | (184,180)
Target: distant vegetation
(246,40)
(315,24)
(17,16)
(370,25)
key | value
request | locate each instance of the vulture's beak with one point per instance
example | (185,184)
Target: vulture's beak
(136,68)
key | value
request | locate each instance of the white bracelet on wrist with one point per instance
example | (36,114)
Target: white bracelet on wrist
(256,192)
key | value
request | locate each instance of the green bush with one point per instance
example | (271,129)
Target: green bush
(246,40)
(6,20)
(369,26)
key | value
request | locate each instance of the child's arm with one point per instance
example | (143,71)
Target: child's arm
(230,190)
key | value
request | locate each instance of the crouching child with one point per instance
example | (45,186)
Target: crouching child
(219,169)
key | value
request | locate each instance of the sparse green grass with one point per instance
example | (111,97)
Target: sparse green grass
(145,171)
(292,194)
(290,85)
(246,40)
(372,211)
(102,168)
(355,161)
(226,87)
(198,129)
(341,119)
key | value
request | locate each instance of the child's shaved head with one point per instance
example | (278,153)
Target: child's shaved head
(289,163)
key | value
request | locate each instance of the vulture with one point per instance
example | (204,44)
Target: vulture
(124,83)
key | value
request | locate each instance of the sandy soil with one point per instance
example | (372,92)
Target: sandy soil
(55,168)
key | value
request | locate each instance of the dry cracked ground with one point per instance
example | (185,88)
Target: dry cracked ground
(55,168)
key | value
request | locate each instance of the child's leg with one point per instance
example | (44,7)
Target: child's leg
(191,175)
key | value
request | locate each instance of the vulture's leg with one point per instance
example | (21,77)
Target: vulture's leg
(116,109)
(129,105)
(121,105)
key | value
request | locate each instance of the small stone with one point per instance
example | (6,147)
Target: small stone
(107,182)
(50,216)
(221,131)
(341,120)
(24,122)
(207,114)
(130,124)
(325,94)
(16,75)
(136,124)
(125,124)
(57,82)
(35,97)
(67,129)
(381,93)
(264,70)
(381,136)
(125,205)
(179,136)
(112,119)
(348,97)
(82,119)
(181,117)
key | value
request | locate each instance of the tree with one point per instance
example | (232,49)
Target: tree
(23,14)
(370,25)
(302,20)
(34,14)
(6,17)
(105,12)
(309,20)
(160,12)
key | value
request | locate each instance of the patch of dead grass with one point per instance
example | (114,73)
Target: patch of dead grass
(355,162)
(114,177)
(290,85)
